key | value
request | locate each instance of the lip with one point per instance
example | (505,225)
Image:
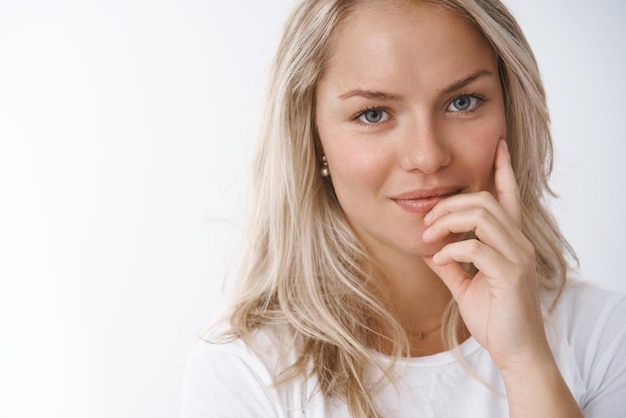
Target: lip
(422,201)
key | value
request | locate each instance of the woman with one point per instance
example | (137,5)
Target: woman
(401,260)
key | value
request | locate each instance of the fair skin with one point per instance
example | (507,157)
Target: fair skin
(413,133)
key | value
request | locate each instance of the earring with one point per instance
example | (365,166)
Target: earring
(325,172)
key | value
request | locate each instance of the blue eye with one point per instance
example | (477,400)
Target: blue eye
(465,103)
(373,116)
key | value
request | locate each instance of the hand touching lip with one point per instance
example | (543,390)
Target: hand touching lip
(423,200)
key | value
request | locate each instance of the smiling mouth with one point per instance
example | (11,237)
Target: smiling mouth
(422,201)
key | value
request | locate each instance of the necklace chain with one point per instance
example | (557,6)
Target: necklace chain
(421,334)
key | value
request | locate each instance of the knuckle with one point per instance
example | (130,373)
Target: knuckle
(473,247)
(485,195)
(482,214)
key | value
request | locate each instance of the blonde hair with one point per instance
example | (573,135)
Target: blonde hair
(302,268)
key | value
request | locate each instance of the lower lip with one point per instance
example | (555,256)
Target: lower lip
(422,206)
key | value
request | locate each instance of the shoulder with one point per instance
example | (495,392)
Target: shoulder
(585,310)
(266,347)
(587,333)
(226,376)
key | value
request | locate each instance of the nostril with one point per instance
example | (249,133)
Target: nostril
(427,158)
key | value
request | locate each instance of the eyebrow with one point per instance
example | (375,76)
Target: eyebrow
(382,96)
(368,94)
(457,85)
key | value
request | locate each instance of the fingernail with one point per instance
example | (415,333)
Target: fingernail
(506,146)
(428,217)
(427,234)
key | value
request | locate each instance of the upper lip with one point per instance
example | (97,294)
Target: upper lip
(428,193)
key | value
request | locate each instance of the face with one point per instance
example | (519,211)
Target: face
(409,111)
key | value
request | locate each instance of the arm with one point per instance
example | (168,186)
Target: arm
(538,390)
(500,304)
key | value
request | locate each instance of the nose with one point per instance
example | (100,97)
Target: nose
(424,147)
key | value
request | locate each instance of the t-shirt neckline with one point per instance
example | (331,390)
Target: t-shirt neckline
(465,349)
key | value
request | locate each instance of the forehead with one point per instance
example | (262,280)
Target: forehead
(381,40)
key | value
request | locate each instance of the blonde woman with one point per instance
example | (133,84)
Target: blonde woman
(401,261)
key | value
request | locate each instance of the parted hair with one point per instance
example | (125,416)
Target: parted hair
(302,267)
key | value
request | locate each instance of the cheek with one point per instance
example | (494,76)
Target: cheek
(487,171)
(480,155)
(355,170)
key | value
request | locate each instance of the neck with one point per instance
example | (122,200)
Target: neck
(418,299)
(417,295)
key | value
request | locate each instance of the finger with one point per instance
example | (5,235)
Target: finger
(466,201)
(487,228)
(461,202)
(507,189)
(452,275)
(504,205)
(484,258)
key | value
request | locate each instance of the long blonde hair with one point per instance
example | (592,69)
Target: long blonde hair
(302,267)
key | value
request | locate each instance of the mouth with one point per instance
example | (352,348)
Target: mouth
(422,201)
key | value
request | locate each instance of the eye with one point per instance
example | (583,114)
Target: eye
(465,103)
(372,116)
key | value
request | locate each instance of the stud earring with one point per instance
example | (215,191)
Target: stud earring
(325,172)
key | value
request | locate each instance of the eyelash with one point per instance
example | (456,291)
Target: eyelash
(357,117)
(363,111)
(481,99)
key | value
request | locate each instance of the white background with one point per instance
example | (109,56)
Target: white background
(125,129)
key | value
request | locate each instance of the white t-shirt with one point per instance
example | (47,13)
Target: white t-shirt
(587,333)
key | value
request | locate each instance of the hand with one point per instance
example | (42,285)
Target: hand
(500,304)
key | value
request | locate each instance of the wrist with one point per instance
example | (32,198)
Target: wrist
(528,370)
(537,389)
(534,362)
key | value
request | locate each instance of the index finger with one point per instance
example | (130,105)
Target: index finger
(507,189)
